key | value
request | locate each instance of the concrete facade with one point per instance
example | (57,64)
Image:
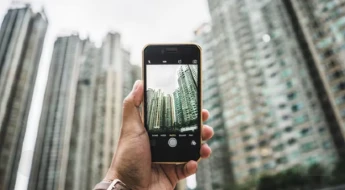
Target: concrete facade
(22,35)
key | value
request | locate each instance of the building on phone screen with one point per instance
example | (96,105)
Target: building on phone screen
(172,112)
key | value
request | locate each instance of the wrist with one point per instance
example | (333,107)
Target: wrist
(111,185)
(112,176)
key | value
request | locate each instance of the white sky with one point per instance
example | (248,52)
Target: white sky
(162,77)
(139,21)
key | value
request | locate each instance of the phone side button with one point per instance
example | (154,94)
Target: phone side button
(172,142)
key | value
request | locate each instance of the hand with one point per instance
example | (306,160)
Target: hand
(132,161)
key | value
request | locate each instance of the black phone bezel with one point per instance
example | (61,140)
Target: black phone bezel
(174,54)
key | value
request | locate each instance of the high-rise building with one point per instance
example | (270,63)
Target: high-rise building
(83,97)
(114,80)
(136,74)
(22,35)
(80,165)
(178,107)
(98,123)
(155,109)
(115,62)
(273,116)
(169,110)
(49,167)
(176,110)
(188,94)
(299,132)
(319,27)
(215,172)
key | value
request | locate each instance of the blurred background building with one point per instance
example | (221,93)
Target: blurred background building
(79,120)
(320,29)
(273,81)
(49,167)
(22,34)
(276,105)
(213,173)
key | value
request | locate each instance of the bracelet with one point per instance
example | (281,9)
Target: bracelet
(111,185)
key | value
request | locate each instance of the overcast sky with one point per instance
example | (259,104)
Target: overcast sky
(139,21)
(162,77)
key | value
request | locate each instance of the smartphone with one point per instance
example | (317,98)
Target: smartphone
(172,101)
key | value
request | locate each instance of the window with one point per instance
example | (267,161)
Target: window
(327,53)
(289,84)
(331,64)
(280,52)
(268,166)
(282,160)
(340,86)
(249,148)
(262,143)
(275,135)
(278,148)
(305,132)
(252,171)
(286,117)
(282,106)
(288,129)
(307,147)
(291,141)
(243,128)
(291,96)
(300,119)
(335,75)
(311,160)
(273,75)
(271,125)
(322,130)
(250,159)
(270,65)
(326,144)
(245,138)
(297,107)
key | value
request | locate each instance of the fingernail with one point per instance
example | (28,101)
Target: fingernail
(136,85)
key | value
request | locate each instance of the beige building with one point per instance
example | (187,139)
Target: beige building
(213,173)
(321,36)
(115,62)
(273,114)
(22,34)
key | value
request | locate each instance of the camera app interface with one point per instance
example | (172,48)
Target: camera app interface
(172,103)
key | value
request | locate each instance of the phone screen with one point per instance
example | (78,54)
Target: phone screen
(172,105)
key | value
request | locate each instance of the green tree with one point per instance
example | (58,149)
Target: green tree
(267,182)
(317,176)
(338,173)
(290,179)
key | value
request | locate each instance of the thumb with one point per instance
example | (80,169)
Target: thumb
(131,104)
